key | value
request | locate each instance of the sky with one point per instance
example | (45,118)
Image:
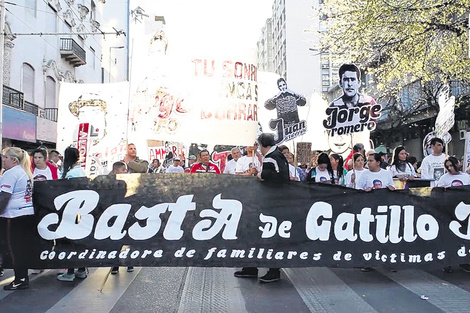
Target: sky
(215,26)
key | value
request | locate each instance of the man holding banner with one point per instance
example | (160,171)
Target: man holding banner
(275,169)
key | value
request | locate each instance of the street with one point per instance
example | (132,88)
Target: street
(217,290)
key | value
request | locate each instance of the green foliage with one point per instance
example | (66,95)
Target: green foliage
(400,41)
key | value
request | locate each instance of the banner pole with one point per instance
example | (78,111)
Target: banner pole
(105,280)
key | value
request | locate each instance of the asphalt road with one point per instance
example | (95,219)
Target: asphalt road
(217,290)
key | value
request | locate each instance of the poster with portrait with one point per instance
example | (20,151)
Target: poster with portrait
(352,115)
(287,125)
(93,118)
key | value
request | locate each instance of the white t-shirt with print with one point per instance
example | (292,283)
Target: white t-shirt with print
(39,174)
(348,178)
(246,162)
(16,182)
(448,180)
(321,176)
(432,167)
(375,180)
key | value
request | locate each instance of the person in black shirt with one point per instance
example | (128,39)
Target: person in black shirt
(275,169)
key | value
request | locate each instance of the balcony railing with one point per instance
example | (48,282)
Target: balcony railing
(30,108)
(15,99)
(72,52)
(48,114)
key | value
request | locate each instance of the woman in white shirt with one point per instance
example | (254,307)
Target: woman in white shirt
(453,177)
(323,173)
(400,167)
(358,168)
(16,212)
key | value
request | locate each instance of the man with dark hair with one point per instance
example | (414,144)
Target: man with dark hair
(384,160)
(275,168)
(350,82)
(432,166)
(204,165)
(286,102)
(134,164)
(119,168)
(55,158)
(41,168)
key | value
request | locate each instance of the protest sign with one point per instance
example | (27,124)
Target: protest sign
(228,221)
(304,152)
(93,118)
(287,126)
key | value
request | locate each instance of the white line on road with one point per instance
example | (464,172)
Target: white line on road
(86,297)
(323,291)
(440,293)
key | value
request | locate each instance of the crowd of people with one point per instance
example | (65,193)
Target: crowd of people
(360,170)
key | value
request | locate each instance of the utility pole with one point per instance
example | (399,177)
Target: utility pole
(2,48)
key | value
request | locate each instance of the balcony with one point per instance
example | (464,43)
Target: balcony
(72,52)
(15,99)
(48,114)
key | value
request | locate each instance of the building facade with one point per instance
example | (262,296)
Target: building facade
(47,42)
(288,44)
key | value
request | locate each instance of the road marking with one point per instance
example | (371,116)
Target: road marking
(211,290)
(86,297)
(440,293)
(323,291)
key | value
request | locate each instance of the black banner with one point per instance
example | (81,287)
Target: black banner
(230,221)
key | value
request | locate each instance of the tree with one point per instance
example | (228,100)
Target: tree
(401,41)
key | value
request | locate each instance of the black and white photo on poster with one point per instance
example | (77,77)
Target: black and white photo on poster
(352,112)
(287,126)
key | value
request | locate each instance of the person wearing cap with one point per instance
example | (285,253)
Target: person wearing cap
(176,166)
(191,160)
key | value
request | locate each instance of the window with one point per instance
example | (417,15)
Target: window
(93,57)
(28,82)
(50,93)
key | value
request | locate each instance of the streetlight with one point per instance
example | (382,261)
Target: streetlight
(109,67)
